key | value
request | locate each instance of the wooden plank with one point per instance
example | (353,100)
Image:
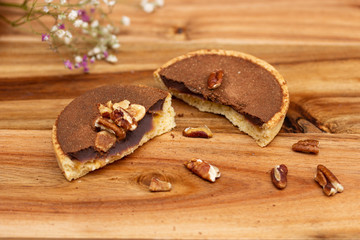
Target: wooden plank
(311,21)
(36,200)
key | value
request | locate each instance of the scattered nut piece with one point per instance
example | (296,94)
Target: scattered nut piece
(306,146)
(104,111)
(136,111)
(199,132)
(123,104)
(279,176)
(104,141)
(203,169)
(106,125)
(123,119)
(326,179)
(157,185)
(215,79)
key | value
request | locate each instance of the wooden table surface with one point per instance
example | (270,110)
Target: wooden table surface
(316,47)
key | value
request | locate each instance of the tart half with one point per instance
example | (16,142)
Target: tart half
(248,91)
(108,123)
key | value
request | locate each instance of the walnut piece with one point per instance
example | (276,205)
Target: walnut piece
(306,146)
(215,79)
(157,185)
(104,141)
(198,132)
(203,169)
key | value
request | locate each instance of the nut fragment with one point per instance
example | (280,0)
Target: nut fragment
(306,146)
(203,169)
(123,119)
(106,125)
(215,79)
(136,111)
(199,132)
(123,104)
(104,110)
(279,176)
(104,141)
(326,179)
(157,185)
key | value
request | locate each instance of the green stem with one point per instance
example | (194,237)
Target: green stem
(15,5)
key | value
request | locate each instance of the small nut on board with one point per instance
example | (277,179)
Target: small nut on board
(104,141)
(157,185)
(327,180)
(203,169)
(306,146)
(215,79)
(279,176)
(198,132)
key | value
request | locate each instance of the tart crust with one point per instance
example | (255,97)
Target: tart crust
(162,122)
(263,134)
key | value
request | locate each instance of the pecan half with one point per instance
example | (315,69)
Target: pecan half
(306,146)
(328,181)
(215,79)
(203,169)
(279,176)
(106,125)
(157,185)
(104,141)
(198,132)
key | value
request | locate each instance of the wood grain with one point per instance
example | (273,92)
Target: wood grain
(242,200)
(315,45)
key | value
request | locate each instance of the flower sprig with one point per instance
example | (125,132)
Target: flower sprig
(83,27)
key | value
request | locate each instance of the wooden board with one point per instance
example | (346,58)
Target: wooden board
(315,46)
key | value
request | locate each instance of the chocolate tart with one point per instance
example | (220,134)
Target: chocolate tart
(252,95)
(74,134)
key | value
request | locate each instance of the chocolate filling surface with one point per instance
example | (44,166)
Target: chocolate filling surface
(76,134)
(247,87)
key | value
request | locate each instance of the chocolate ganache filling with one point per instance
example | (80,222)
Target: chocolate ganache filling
(247,87)
(76,134)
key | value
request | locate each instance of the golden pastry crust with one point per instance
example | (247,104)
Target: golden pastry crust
(262,134)
(163,122)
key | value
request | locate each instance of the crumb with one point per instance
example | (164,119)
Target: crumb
(172,135)
(180,115)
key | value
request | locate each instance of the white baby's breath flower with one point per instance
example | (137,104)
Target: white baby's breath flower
(109,2)
(62,2)
(99,56)
(78,59)
(159,3)
(45,9)
(96,50)
(48,1)
(94,34)
(54,28)
(61,16)
(78,23)
(85,25)
(115,45)
(112,59)
(72,15)
(94,2)
(67,40)
(68,34)
(95,24)
(125,20)
(110,27)
(60,33)
(148,7)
